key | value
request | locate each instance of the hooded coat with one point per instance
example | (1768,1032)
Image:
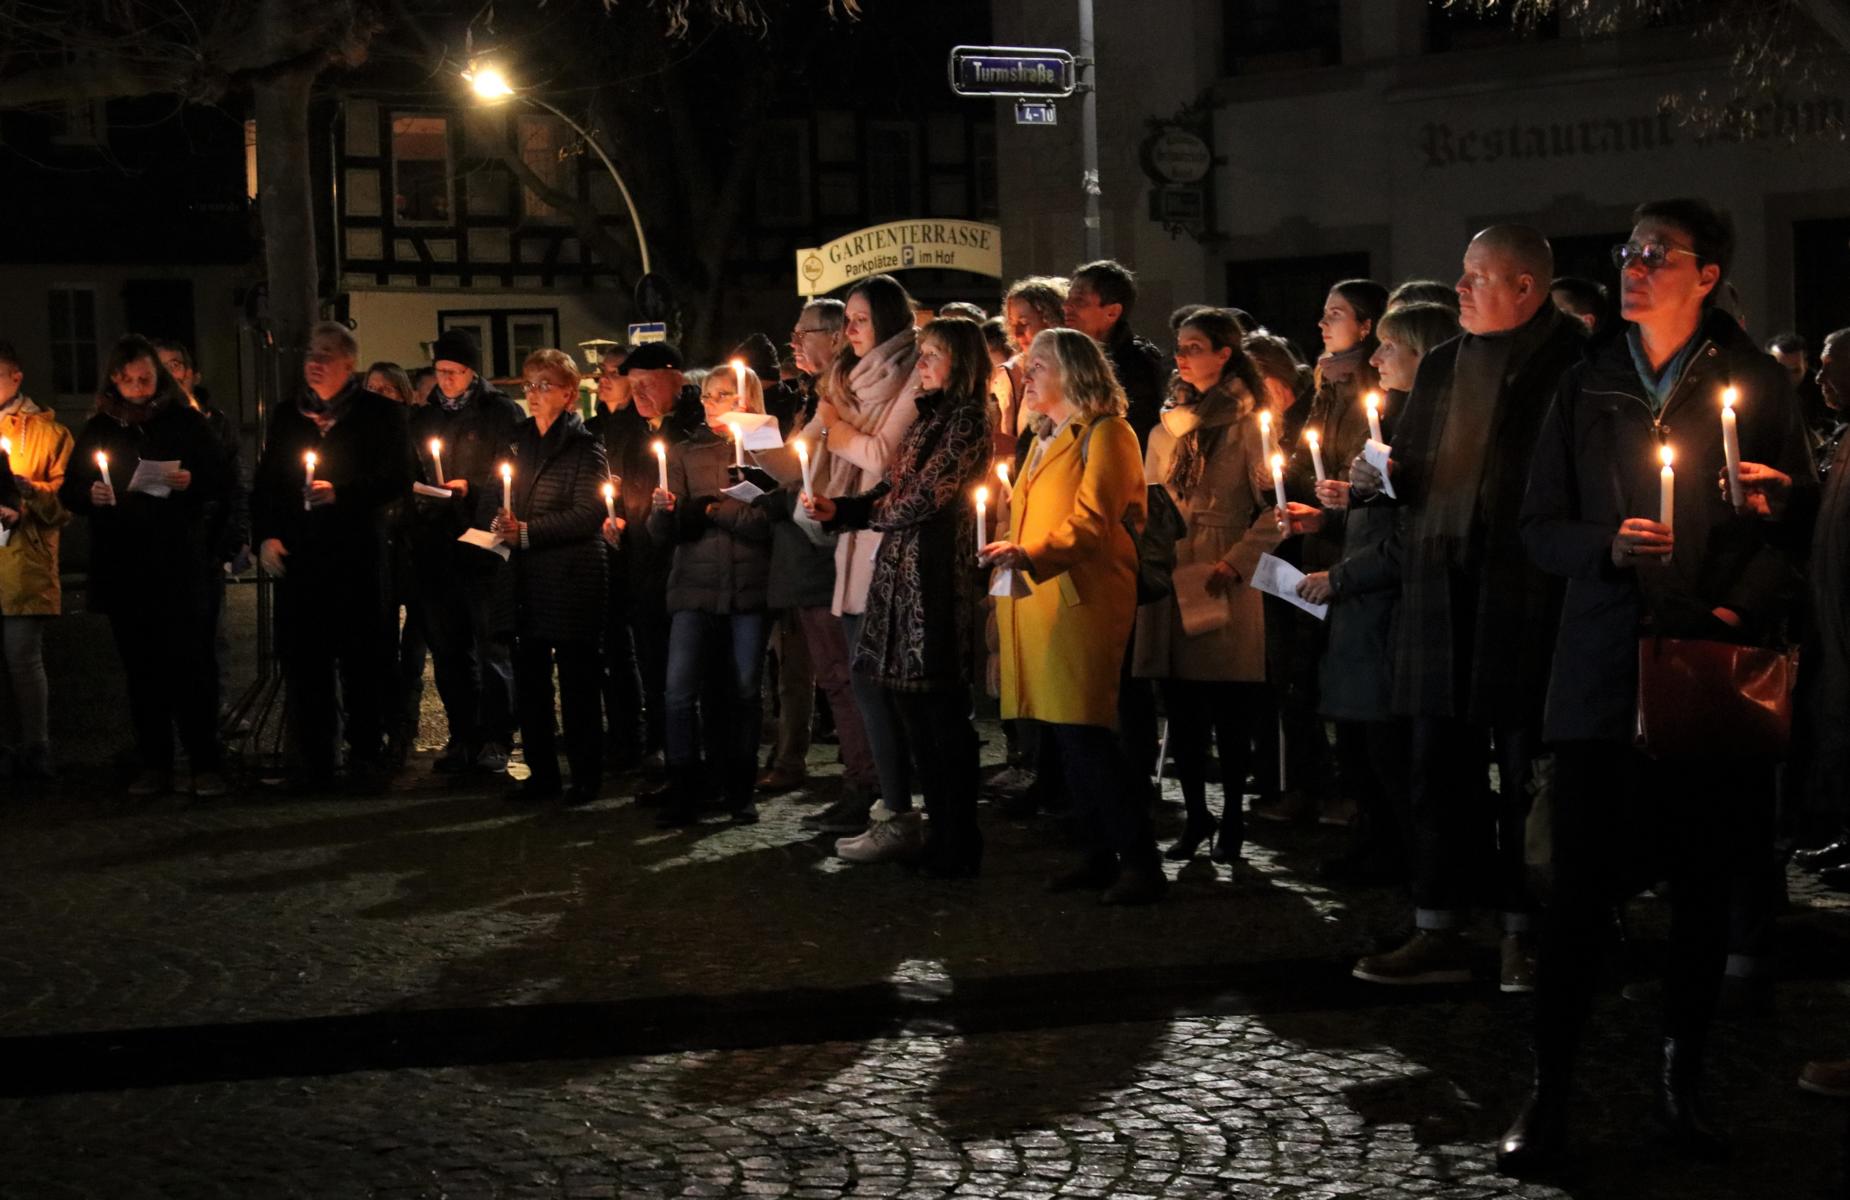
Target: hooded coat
(29,560)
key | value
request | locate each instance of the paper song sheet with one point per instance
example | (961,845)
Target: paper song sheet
(1375,454)
(484,540)
(1276,577)
(1201,613)
(435,493)
(760,429)
(1007,581)
(150,478)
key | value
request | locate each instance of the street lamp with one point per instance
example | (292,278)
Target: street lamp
(490,85)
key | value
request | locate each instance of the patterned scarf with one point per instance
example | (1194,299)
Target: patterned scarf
(1188,415)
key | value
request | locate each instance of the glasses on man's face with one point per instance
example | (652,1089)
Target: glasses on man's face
(799,331)
(1649,255)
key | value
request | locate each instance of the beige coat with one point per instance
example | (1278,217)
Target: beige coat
(29,560)
(1231,519)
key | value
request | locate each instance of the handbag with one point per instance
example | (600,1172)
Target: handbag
(1705,699)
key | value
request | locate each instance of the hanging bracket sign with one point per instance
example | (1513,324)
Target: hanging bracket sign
(1012,71)
(925,243)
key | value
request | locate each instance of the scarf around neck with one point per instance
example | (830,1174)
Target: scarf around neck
(1192,417)
(873,386)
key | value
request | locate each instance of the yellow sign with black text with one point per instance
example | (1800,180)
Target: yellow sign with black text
(900,246)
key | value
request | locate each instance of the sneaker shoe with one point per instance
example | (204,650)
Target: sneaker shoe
(1292,806)
(1825,1077)
(1429,956)
(491,757)
(848,814)
(1518,971)
(209,785)
(901,836)
(151,782)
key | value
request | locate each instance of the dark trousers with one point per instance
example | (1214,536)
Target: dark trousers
(1467,844)
(413,650)
(626,706)
(1619,820)
(172,675)
(641,632)
(1227,715)
(1110,796)
(329,628)
(1374,756)
(1138,732)
(579,675)
(944,756)
(474,667)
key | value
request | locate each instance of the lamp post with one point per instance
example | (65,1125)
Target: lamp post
(491,85)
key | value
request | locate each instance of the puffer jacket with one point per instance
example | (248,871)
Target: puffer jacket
(29,560)
(559,579)
(722,547)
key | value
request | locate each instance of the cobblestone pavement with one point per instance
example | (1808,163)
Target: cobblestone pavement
(436,993)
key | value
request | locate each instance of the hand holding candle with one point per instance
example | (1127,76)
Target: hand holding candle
(507,487)
(436,460)
(1316,453)
(102,491)
(1373,403)
(1731,447)
(610,500)
(1667,490)
(308,480)
(1278,488)
(661,462)
(809,482)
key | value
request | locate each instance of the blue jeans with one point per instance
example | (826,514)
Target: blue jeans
(693,638)
(886,736)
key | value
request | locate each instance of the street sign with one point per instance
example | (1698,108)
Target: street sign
(1036,112)
(648,331)
(1007,71)
(924,244)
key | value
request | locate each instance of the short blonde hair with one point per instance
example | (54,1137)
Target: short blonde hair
(1086,378)
(557,363)
(753,393)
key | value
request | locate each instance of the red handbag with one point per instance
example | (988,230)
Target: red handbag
(1702,699)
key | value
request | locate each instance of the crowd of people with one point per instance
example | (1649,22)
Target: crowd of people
(1541,548)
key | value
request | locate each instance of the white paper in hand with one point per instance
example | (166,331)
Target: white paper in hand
(1375,454)
(744,491)
(1276,577)
(1200,612)
(150,478)
(760,429)
(435,493)
(484,540)
(1007,581)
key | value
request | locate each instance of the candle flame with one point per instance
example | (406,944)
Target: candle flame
(1666,453)
(1729,396)
(1278,462)
(1265,421)
(610,491)
(1310,435)
(660,446)
(802,449)
(507,471)
(310,459)
(982,496)
(102,460)
(6,445)
(1002,471)
(1373,400)
(436,446)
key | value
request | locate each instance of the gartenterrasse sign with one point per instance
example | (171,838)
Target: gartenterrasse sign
(900,246)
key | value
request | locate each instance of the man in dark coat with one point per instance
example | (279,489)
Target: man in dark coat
(1472,639)
(459,584)
(1714,574)
(326,539)
(1821,756)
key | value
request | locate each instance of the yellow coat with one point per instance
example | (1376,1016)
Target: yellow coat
(1063,643)
(29,560)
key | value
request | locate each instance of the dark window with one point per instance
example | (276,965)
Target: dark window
(1820,263)
(1282,35)
(545,146)
(1465,26)
(73,340)
(421,170)
(1287,294)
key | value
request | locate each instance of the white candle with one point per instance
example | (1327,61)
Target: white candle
(1265,434)
(661,462)
(1373,401)
(1667,490)
(102,466)
(6,446)
(982,504)
(738,446)
(436,459)
(507,486)
(1731,446)
(738,381)
(803,458)
(1278,484)
(1002,473)
(308,477)
(1316,453)
(610,500)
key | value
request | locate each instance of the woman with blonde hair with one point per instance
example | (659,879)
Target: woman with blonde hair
(1069,601)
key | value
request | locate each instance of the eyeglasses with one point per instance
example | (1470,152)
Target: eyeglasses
(1649,255)
(799,331)
(541,388)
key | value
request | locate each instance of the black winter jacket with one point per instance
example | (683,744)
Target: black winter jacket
(559,574)
(476,438)
(1596,463)
(722,547)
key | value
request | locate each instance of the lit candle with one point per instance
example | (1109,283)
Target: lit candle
(507,486)
(6,446)
(308,478)
(436,459)
(1265,434)
(803,458)
(102,466)
(982,505)
(738,447)
(610,500)
(1667,490)
(1316,453)
(1002,473)
(738,380)
(661,461)
(1373,401)
(1731,446)
(1278,484)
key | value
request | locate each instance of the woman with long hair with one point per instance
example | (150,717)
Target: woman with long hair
(1067,605)
(916,631)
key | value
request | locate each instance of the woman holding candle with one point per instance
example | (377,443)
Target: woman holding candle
(716,604)
(1069,544)
(151,560)
(916,633)
(1207,452)
(36,449)
(557,472)
(1592,515)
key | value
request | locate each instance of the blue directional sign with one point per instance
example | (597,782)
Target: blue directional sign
(1011,71)
(1036,112)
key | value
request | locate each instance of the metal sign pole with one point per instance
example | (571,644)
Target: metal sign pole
(1088,131)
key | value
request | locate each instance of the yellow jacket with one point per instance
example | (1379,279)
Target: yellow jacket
(1063,643)
(29,560)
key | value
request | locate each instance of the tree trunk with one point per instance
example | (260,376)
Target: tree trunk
(286,206)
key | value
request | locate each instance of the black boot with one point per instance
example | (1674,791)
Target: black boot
(1679,1108)
(1200,827)
(685,796)
(741,788)
(1536,1139)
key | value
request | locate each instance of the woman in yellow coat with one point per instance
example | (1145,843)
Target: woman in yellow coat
(1067,582)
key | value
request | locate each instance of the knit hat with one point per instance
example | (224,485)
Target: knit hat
(652,356)
(457,346)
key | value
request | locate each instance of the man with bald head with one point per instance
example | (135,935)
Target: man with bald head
(1476,619)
